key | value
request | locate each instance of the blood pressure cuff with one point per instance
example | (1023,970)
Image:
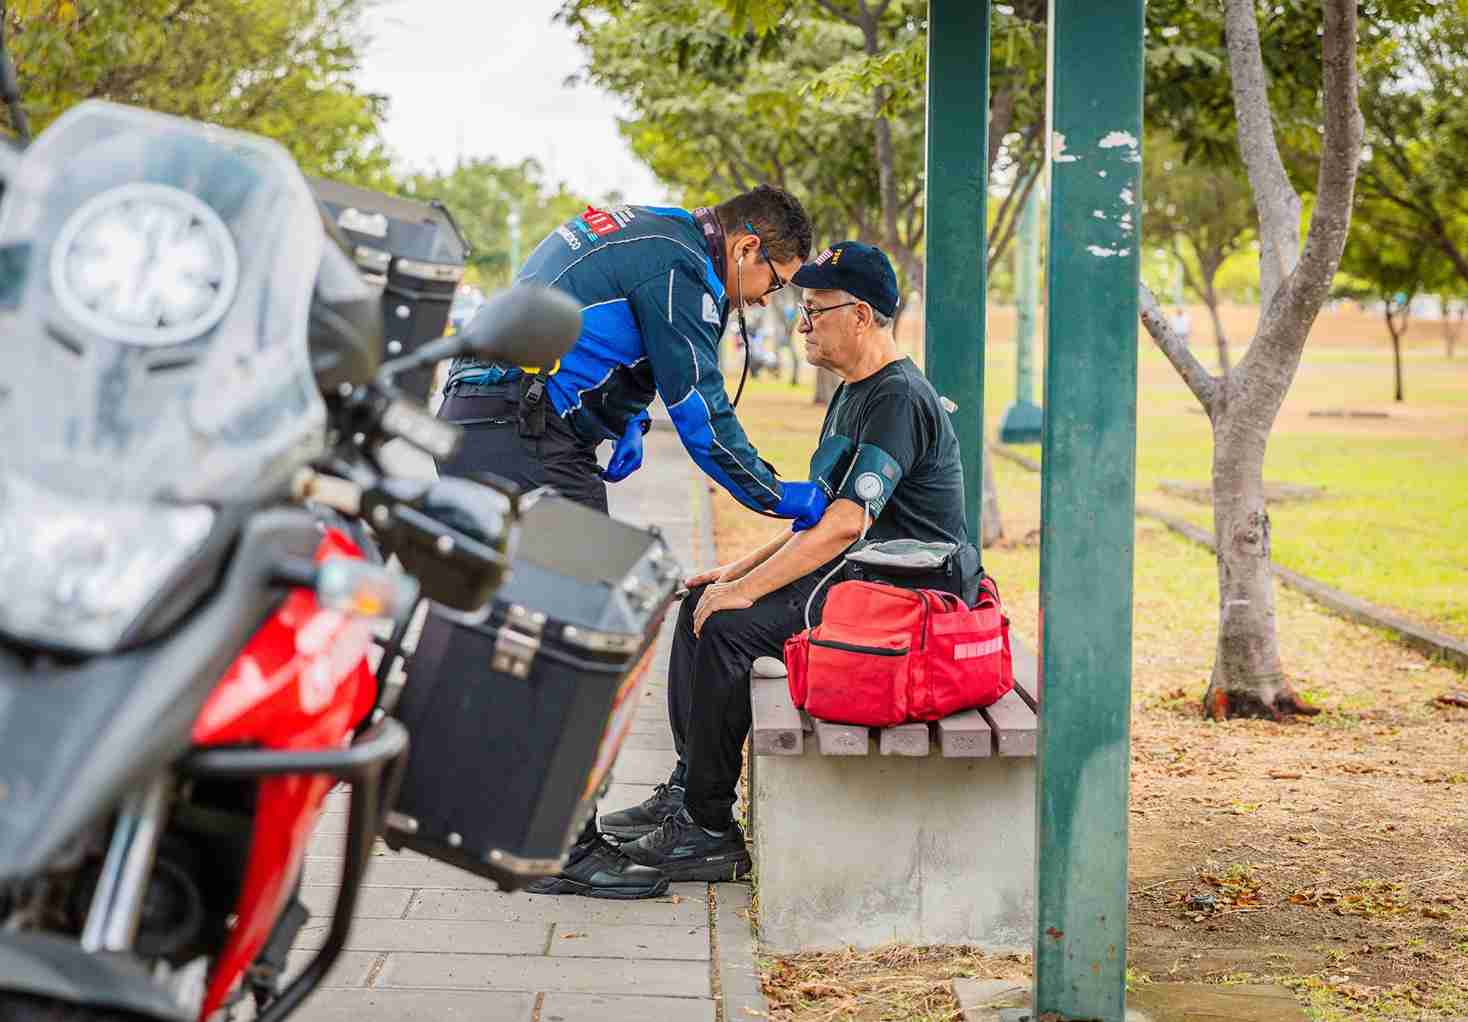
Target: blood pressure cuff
(870,480)
(829,464)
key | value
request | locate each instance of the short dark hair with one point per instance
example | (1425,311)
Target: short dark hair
(778,218)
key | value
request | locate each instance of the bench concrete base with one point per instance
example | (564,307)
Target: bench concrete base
(867,850)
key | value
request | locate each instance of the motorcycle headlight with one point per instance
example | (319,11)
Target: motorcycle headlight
(75,574)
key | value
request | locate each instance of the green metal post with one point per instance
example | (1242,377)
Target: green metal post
(1087,501)
(514,221)
(957,184)
(1023,420)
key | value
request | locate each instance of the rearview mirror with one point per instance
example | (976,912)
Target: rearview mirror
(527,325)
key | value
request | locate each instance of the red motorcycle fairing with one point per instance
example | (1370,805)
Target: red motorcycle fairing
(303,682)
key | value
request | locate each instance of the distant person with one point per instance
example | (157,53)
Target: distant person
(1181,323)
(780,320)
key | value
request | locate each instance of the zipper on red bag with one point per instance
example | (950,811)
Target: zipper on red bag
(849,647)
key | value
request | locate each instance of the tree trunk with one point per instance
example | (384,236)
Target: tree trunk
(1248,679)
(826,384)
(1210,299)
(1397,329)
(1247,676)
(887,163)
(992,524)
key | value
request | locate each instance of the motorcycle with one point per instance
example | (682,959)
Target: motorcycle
(194,402)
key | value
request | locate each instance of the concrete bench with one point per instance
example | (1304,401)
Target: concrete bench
(921,833)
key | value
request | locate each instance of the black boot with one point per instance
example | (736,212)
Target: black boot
(598,869)
(631,824)
(682,850)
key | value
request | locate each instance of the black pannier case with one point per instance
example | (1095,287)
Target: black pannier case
(515,722)
(412,250)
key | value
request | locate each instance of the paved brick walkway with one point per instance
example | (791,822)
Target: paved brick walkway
(433,942)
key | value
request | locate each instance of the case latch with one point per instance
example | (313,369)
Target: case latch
(517,641)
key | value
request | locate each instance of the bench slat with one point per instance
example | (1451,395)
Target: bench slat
(842,739)
(1014,725)
(776,729)
(965,735)
(903,740)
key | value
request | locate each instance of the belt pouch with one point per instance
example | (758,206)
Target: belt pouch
(532,406)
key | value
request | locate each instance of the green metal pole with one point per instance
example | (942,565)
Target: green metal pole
(956,212)
(514,221)
(1023,420)
(1088,500)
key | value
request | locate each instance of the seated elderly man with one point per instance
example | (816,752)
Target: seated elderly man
(898,476)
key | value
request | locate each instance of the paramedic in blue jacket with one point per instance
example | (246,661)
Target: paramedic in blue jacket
(656,287)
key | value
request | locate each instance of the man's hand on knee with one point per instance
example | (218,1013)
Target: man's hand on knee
(717,597)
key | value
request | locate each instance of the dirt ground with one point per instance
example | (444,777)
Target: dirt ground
(1329,855)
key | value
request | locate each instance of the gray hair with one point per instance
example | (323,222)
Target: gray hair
(882,322)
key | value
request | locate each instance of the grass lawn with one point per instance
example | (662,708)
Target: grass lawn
(1336,850)
(1390,527)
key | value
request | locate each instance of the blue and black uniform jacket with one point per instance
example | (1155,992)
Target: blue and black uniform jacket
(652,311)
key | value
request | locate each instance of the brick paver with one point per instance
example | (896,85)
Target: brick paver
(435,942)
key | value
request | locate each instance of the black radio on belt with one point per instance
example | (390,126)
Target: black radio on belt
(414,252)
(516,720)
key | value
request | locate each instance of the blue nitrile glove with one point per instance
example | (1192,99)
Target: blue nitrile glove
(627,455)
(804,502)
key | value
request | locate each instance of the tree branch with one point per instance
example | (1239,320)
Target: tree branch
(779,169)
(1335,189)
(1199,381)
(997,252)
(840,13)
(1274,196)
(1001,116)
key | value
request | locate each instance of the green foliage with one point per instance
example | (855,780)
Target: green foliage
(1390,526)
(280,68)
(1381,265)
(1413,190)
(760,15)
(1203,214)
(482,193)
(728,94)
(715,112)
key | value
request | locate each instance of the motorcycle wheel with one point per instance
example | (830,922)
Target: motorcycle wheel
(25,1008)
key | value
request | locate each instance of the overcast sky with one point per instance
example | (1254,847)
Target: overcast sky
(485,76)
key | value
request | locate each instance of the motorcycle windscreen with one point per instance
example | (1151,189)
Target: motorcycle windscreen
(155,283)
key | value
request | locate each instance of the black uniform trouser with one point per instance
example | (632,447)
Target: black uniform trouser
(708,689)
(489,416)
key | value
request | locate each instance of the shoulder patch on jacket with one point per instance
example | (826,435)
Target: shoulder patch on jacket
(710,310)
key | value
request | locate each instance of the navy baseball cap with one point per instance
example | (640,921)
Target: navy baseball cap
(862,271)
